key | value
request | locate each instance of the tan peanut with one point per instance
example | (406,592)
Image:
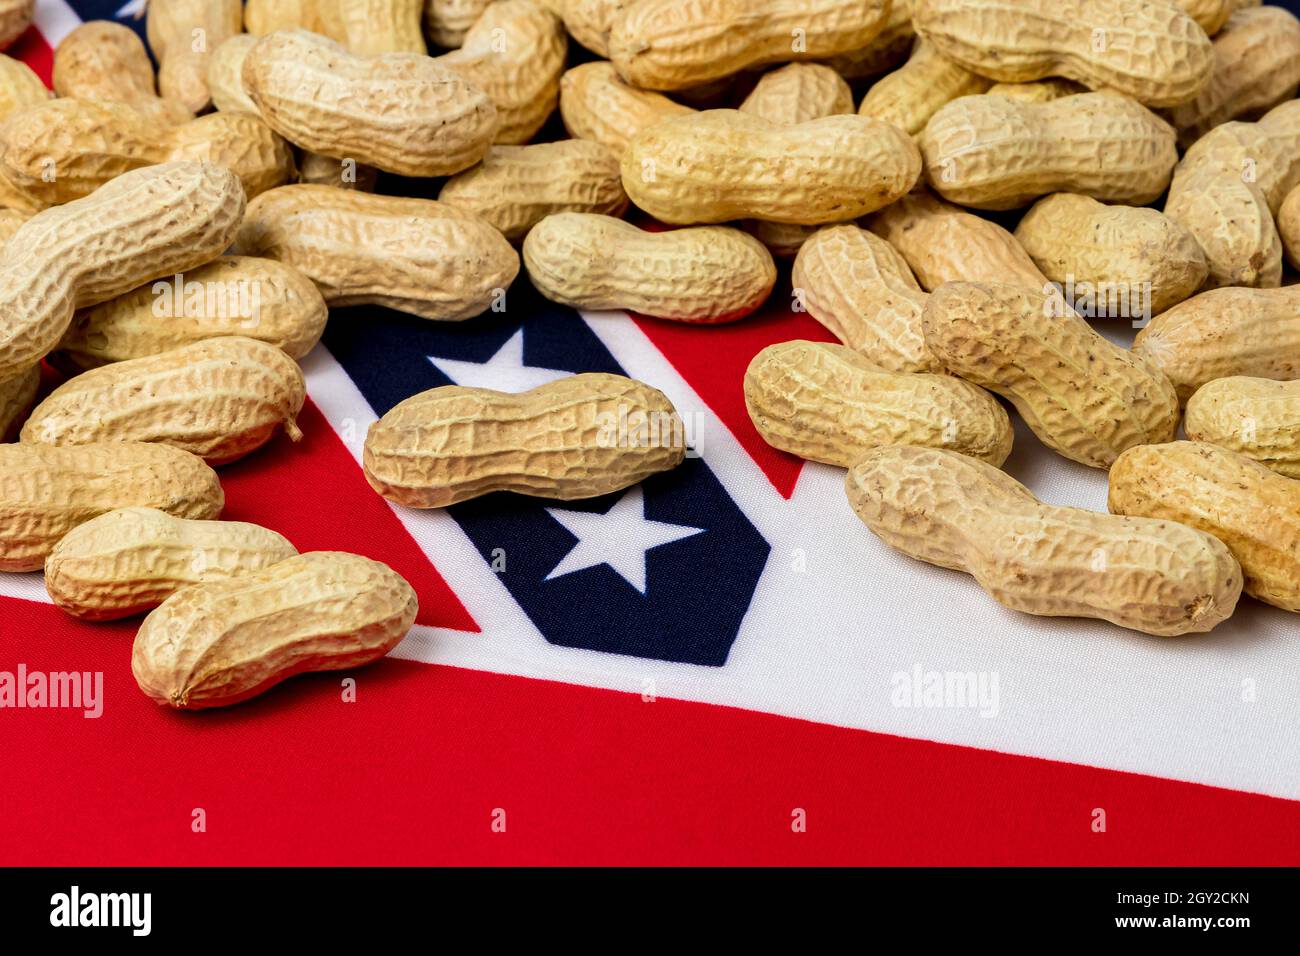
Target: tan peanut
(1152,51)
(1213,14)
(19,87)
(401,112)
(102,60)
(1038,91)
(1288,224)
(685,170)
(66,149)
(1228,187)
(1154,576)
(46,491)
(144,224)
(222,642)
(182,35)
(1137,257)
(219,399)
(782,239)
(1256,67)
(383,26)
(859,287)
(797,93)
(945,243)
(1255,417)
(234,295)
(515,52)
(1081,395)
(226,74)
(672,44)
(827,403)
(992,152)
(130,560)
(1225,332)
(516,187)
(588,21)
(596,104)
(1252,510)
(16,397)
(577,437)
(883,52)
(913,93)
(15,18)
(709,274)
(424,257)
(447,21)
(318,16)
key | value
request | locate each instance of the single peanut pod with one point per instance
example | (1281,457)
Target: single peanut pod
(46,491)
(1131,253)
(19,87)
(596,104)
(102,60)
(66,149)
(684,170)
(588,21)
(859,287)
(1081,395)
(130,560)
(1039,91)
(417,255)
(10,221)
(1252,510)
(884,52)
(1213,14)
(383,26)
(235,295)
(782,239)
(447,21)
(1152,51)
(16,397)
(515,52)
(1256,67)
(708,275)
(673,44)
(577,437)
(1255,417)
(1288,224)
(222,642)
(226,74)
(143,224)
(1228,187)
(318,16)
(1153,576)
(827,403)
(992,152)
(1225,332)
(516,187)
(945,243)
(182,35)
(797,93)
(913,93)
(15,199)
(15,18)
(401,112)
(219,399)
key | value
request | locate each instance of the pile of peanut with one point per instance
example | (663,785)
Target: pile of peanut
(254,154)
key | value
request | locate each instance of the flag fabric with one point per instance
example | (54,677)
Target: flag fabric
(720,665)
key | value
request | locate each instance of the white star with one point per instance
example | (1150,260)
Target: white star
(505,371)
(620,538)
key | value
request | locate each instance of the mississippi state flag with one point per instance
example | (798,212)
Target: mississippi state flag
(721,665)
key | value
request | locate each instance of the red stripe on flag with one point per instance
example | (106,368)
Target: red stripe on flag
(713,362)
(315,494)
(417,769)
(32,49)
